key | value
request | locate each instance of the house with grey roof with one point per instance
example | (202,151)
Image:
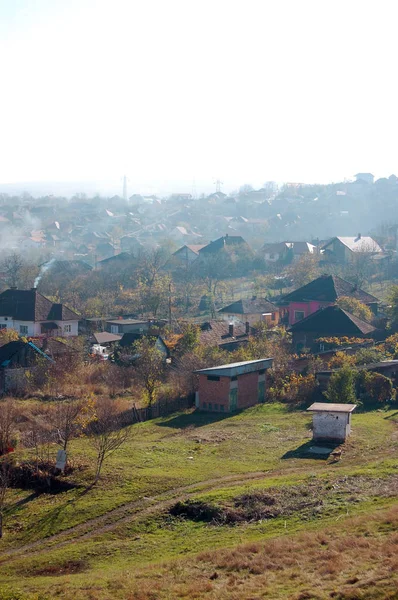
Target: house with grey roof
(251,311)
(343,249)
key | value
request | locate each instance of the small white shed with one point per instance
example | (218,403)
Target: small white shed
(331,421)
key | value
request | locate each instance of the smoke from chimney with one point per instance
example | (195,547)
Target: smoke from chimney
(43,269)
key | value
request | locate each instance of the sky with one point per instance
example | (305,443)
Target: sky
(179,93)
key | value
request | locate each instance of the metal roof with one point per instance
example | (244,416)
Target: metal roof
(331,407)
(238,368)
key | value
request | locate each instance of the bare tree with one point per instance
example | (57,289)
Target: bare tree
(12,266)
(5,481)
(149,367)
(108,434)
(65,418)
(8,414)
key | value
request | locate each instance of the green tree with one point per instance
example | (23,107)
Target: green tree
(392,300)
(355,307)
(149,367)
(341,388)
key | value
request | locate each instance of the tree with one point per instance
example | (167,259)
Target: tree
(67,417)
(361,264)
(341,388)
(392,300)
(376,387)
(149,367)
(304,270)
(5,481)
(107,432)
(12,265)
(355,307)
(8,416)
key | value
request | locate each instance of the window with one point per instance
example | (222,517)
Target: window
(3,326)
(216,407)
(114,328)
(23,329)
(261,372)
(213,378)
(222,407)
(273,317)
(298,315)
(67,328)
(204,405)
(234,378)
(210,406)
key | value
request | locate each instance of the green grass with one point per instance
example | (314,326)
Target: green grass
(219,458)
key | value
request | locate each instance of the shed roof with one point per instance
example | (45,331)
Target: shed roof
(103,337)
(332,407)
(238,368)
(245,307)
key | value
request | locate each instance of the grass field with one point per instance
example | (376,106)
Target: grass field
(270,519)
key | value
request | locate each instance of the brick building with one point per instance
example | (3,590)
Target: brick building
(231,387)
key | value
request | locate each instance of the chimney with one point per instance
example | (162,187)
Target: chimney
(359,236)
(247,327)
(231,329)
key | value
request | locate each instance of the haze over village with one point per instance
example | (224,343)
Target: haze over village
(198,300)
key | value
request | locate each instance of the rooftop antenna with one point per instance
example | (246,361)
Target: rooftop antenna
(218,185)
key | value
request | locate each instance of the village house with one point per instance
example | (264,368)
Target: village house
(186,255)
(17,358)
(322,292)
(234,243)
(32,314)
(251,311)
(331,321)
(331,422)
(129,339)
(286,252)
(228,337)
(121,326)
(343,249)
(234,386)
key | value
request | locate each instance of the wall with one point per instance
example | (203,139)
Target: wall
(248,389)
(330,426)
(308,307)
(214,391)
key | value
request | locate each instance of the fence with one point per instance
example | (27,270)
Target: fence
(162,408)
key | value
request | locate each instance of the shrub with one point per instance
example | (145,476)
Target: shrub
(376,388)
(341,388)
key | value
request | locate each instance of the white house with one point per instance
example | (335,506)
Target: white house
(331,421)
(32,314)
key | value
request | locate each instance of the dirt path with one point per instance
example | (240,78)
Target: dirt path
(125,513)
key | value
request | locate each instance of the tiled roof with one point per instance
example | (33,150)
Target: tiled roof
(328,288)
(216,333)
(245,307)
(30,305)
(227,240)
(334,321)
(358,244)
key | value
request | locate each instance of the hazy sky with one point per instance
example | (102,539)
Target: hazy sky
(170,91)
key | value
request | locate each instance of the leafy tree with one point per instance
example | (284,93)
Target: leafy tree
(304,270)
(341,388)
(393,306)
(341,359)
(355,307)
(376,388)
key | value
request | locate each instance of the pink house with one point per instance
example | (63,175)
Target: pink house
(322,292)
